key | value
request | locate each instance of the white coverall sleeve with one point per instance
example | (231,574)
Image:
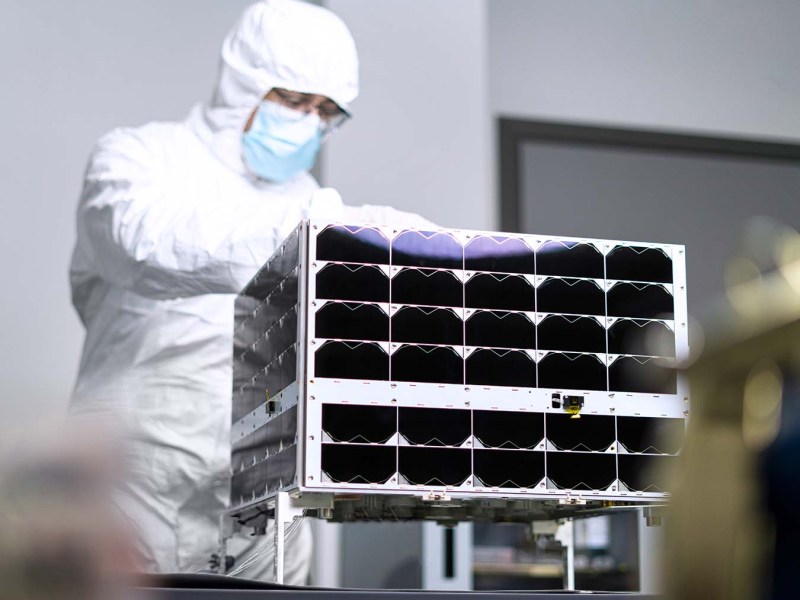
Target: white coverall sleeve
(386,215)
(147,234)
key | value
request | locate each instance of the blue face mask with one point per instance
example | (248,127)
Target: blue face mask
(281,142)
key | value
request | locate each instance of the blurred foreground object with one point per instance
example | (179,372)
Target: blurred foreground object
(60,536)
(734,518)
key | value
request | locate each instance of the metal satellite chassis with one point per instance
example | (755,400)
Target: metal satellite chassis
(387,373)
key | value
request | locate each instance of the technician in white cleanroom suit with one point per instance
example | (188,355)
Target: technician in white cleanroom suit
(173,221)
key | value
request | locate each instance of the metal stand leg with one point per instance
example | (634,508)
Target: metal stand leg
(651,542)
(446,557)
(227,527)
(325,570)
(566,535)
(285,513)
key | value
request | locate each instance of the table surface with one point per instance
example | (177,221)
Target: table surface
(208,587)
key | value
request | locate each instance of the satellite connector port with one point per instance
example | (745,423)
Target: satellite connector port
(572,501)
(556,400)
(436,497)
(573,406)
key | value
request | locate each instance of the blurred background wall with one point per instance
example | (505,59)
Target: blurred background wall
(421,136)
(715,66)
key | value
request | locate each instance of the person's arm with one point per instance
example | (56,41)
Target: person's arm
(148,231)
(386,215)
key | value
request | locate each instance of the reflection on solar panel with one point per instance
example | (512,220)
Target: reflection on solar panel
(411,362)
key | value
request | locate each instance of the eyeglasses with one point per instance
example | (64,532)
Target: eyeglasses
(331,116)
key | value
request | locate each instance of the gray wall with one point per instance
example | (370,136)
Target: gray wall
(72,71)
(381,555)
(420,137)
(725,66)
